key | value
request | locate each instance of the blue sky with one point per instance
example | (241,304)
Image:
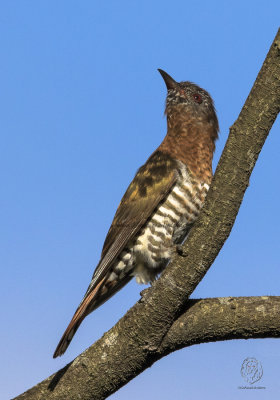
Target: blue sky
(81,108)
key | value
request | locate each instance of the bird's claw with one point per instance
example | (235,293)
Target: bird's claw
(180,250)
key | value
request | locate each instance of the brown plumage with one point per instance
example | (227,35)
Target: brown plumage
(161,203)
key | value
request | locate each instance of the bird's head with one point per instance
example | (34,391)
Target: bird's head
(189,99)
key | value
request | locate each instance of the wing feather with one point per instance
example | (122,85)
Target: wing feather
(151,184)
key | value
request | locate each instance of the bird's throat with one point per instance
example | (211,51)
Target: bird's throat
(191,141)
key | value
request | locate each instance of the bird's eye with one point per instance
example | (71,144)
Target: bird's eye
(197,98)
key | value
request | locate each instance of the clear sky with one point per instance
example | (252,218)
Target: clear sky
(81,107)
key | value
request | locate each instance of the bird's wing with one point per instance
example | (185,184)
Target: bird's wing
(152,182)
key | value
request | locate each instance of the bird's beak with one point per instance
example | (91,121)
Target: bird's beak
(170,83)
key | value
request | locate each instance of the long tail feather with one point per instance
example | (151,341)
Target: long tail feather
(92,300)
(86,306)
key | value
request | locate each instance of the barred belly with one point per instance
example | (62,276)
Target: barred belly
(152,249)
(168,226)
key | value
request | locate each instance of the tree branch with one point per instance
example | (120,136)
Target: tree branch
(223,318)
(133,343)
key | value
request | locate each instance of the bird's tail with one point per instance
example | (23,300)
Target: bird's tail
(87,305)
(94,298)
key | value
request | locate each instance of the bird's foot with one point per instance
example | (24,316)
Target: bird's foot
(180,250)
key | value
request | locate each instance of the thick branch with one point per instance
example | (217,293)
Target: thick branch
(218,319)
(224,318)
(131,345)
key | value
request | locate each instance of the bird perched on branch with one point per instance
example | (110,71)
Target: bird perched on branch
(161,203)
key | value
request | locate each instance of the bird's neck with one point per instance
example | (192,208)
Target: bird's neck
(191,140)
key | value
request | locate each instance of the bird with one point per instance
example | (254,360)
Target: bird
(161,203)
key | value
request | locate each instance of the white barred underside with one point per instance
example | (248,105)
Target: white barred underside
(152,249)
